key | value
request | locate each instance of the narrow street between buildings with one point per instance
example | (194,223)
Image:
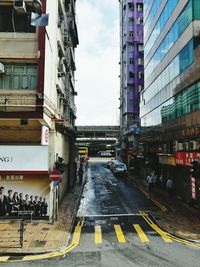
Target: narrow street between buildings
(114,227)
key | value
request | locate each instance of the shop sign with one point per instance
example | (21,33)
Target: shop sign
(191,132)
(134,128)
(185,158)
(24,158)
(193,187)
(167,160)
(45,136)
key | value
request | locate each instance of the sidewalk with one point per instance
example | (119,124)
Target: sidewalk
(180,219)
(40,236)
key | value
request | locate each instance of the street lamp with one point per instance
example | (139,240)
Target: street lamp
(37,6)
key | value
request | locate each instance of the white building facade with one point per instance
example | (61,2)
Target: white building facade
(37,109)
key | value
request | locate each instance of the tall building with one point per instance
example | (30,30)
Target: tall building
(170,102)
(37,109)
(131,74)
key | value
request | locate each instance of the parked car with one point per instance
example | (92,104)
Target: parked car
(110,163)
(119,168)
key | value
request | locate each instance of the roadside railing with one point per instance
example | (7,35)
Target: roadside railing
(12,230)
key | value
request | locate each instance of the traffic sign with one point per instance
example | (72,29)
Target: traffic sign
(55,176)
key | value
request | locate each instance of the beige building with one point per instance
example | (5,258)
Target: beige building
(37,109)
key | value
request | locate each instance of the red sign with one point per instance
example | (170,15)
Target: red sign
(193,187)
(185,158)
(55,176)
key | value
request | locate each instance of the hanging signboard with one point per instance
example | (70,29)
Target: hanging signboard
(24,158)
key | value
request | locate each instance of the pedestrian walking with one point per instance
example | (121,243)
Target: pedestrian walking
(150,182)
(80,175)
(170,186)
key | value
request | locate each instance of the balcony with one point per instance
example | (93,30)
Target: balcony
(18,46)
(17,101)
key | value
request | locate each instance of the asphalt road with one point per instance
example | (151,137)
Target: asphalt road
(114,227)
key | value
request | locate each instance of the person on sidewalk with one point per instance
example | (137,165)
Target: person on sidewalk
(150,182)
(170,186)
(80,175)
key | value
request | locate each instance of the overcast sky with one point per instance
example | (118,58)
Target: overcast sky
(97,58)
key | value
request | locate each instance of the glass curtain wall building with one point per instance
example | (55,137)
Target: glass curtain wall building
(170,101)
(131,74)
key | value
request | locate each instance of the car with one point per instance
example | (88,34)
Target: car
(110,163)
(119,168)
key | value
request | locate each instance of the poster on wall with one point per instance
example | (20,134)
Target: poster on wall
(22,194)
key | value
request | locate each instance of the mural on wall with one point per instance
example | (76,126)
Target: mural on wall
(20,194)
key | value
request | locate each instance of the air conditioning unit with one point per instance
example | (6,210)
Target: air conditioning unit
(193,145)
(180,147)
(2,68)
(20,6)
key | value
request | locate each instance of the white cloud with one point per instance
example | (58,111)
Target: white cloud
(97,60)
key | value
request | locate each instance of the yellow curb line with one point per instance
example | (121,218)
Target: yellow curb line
(75,243)
(162,207)
(166,236)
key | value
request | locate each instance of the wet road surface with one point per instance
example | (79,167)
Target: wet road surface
(114,227)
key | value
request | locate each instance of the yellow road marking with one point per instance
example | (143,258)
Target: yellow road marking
(163,208)
(141,234)
(98,234)
(74,243)
(119,233)
(163,234)
(76,235)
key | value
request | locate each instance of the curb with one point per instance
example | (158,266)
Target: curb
(173,234)
(161,227)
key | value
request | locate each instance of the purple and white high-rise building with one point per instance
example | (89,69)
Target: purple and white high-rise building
(131,74)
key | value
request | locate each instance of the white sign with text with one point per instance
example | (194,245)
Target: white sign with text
(24,158)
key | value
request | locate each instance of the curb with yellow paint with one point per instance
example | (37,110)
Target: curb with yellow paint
(157,203)
(74,243)
(167,237)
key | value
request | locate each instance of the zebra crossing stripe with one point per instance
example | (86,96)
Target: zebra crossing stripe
(98,234)
(141,233)
(119,233)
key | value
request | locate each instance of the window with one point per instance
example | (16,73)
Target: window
(140,75)
(131,88)
(131,74)
(130,33)
(140,48)
(140,61)
(139,20)
(131,61)
(19,77)
(12,21)
(139,7)
(130,47)
(140,87)
(131,6)
(131,20)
